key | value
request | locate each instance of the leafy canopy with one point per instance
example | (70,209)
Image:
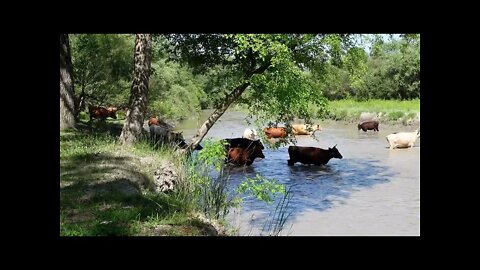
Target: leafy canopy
(277,67)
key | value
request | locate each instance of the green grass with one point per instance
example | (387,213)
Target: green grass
(388,110)
(104,187)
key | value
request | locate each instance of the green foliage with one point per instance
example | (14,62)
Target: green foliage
(356,65)
(277,67)
(261,188)
(213,153)
(175,93)
(103,66)
(209,188)
(395,115)
(392,110)
(392,71)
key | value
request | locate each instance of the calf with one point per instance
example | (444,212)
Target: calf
(275,132)
(101,112)
(301,129)
(244,156)
(403,139)
(368,125)
(312,155)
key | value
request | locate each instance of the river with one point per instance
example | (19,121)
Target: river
(371,191)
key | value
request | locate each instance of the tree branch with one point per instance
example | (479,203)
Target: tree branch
(229,99)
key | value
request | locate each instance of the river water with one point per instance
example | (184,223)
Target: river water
(371,191)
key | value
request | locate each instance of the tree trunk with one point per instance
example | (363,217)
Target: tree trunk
(67,95)
(132,128)
(237,92)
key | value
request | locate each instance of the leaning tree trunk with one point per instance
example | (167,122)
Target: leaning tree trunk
(132,128)
(237,92)
(67,95)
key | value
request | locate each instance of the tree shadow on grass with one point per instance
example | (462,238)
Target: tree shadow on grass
(101,194)
(112,128)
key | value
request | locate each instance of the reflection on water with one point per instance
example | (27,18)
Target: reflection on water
(371,191)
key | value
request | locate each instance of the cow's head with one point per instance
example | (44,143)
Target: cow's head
(176,136)
(334,152)
(113,112)
(259,144)
(256,152)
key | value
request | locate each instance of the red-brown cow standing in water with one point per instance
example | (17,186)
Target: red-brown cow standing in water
(368,125)
(101,112)
(244,156)
(275,132)
(312,155)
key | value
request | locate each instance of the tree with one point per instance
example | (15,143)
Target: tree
(103,68)
(394,71)
(67,98)
(132,128)
(273,66)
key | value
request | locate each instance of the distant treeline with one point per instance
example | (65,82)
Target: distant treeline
(103,68)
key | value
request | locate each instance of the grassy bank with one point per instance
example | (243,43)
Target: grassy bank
(405,112)
(106,189)
(394,111)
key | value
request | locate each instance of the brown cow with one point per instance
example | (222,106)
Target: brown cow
(275,132)
(244,156)
(368,125)
(312,155)
(101,112)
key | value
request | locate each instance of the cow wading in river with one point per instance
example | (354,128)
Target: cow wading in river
(312,155)
(368,125)
(242,151)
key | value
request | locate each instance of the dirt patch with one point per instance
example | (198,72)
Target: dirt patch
(75,216)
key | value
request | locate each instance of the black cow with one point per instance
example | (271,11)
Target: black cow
(368,125)
(242,143)
(312,155)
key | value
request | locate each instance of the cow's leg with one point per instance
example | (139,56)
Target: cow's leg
(290,162)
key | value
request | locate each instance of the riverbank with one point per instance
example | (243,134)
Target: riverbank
(106,189)
(393,112)
(405,112)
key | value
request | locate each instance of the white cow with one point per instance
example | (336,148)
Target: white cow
(250,134)
(403,139)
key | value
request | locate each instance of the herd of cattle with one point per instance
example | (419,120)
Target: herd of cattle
(243,151)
